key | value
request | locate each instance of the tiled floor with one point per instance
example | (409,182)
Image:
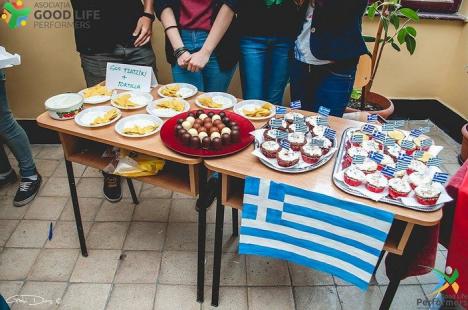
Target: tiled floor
(144,256)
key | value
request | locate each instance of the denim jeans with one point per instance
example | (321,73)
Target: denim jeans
(264,67)
(319,86)
(95,65)
(209,79)
(12,134)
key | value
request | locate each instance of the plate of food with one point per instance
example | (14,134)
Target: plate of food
(177,90)
(131,100)
(207,133)
(216,101)
(168,107)
(255,110)
(138,126)
(98,116)
(96,94)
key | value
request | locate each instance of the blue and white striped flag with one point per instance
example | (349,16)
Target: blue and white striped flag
(317,142)
(388,142)
(426,143)
(368,129)
(415,133)
(425,129)
(371,118)
(324,111)
(358,159)
(388,171)
(285,144)
(357,138)
(440,177)
(388,127)
(434,162)
(405,158)
(418,154)
(301,126)
(399,124)
(280,110)
(338,237)
(281,134)
(322,121)
(330,134)
(296,105)
(379,136)
(407,144)
(377,157)
(276,123)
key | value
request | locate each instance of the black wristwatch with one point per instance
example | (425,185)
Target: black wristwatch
(149,15)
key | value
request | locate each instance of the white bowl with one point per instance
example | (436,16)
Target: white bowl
(85,117)
(166,113)
(188,90)
(138,119)
(64,106)
(252,104)
(229,99)
(140,99)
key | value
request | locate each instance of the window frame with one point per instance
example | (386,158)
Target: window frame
(433,6)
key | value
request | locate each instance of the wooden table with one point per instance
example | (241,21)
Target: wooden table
(181,174)
(234,169)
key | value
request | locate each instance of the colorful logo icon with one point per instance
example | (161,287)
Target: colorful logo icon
(15,14)
(447,279)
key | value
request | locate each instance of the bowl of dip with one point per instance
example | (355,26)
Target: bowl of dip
(64,106)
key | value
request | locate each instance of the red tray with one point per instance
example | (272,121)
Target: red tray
(171,141)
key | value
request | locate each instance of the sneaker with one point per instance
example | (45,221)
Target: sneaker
(27,191)
(112,188)
(10,178)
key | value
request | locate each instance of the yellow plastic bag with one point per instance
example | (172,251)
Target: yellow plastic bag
(133,165)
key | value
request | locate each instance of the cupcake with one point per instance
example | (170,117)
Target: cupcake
(376,182)
(398,187)
(289,117)
(386,161)
(428,194)
(416,166)
(287,158)
(270,148)
(318,131)
(297,140)
(370,146)
(353,176)
(393,151)
(311,121)
(354,134)
(419,178)
(269,134)
(327,145)
(408,150)
(368,166)
(311,153)
(350,153)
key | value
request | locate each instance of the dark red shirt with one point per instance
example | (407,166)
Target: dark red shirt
(196,14)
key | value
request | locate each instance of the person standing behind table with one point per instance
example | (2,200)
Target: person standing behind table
(201,41)
(15,137)
(268,30)
(116,31)
(327,51)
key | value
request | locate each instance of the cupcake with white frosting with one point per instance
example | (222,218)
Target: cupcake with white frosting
(270,148)
(398,187)
(311,153)
(287,158)
(353,176)
(376,182)
(289,117)
(297,140)
(416,166)
(428,194)
(368,166)
(419,178)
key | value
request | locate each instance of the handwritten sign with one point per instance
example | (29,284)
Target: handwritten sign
(129,77)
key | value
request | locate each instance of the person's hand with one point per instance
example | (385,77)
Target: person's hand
(184,60)
(198,61)
(143,30)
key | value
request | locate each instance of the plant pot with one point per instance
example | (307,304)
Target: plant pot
(464,146)
(384,103)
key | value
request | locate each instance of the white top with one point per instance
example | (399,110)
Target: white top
(302,45)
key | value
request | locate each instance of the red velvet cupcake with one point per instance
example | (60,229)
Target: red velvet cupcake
(311,153)
(428,194)
(398,187)
(353,176)
(287,158)
(376,182)
(297,140)
(270,148)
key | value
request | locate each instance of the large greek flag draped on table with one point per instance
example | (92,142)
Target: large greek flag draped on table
(321,232)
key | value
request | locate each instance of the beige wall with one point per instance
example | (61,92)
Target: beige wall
(51,65)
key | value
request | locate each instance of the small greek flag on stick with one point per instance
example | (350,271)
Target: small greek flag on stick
(388,171)
(298,118)
(425,129)
(415,133)
(418,154)
(405,158)
(276,123)
(317,142)
(407,144)
(322,121)
(389,142)
(301,127)
(371,118)
(357,138)
(285,144)
(399,124)
(368,129)
(324,111)
(330,134)
(358,159)
(401,166)
(388,127)
(379,136)
(296,105)
(280,110)
(281,134)
(440,177)
(434,162)
(377,157)
(426,143)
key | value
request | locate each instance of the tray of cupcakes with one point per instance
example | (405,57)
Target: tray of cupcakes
(387,164)
(295,143)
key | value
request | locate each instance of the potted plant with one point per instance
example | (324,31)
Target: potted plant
(393,30)
(464,146)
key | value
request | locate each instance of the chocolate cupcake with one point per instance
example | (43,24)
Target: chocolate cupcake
(270,148)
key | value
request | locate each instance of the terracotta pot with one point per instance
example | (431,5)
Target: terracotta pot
(464,147)
(386,105)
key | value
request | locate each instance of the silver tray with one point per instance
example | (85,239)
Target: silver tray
(344,187)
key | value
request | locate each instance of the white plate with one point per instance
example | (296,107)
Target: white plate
(94,99)
(166,113)
(140,99)
(85,117)
(230,100)
(138,119)
(252,104)
(185,90)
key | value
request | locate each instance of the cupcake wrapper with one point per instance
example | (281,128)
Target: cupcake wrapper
(395,194)
(427,201)
(310,160)
(374,189)
(350,181)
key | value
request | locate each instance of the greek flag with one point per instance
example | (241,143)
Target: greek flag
(330,134)
(280,110)
(434,161)
(388,171)
(296,105)
(301,127)
(388,142)
(280,134)
(416,133)
(322,121)
(276,123)
(440,177)
(285,144)
(377,157)
(358,159)
(403,162)
(418,154)
(339,237)
(399,124)
(372,118)
(357,138)
(368,129)
(324,111)
(426,142)
(317,142)
(407,144)
(379,136)
(425,129)
(388,127)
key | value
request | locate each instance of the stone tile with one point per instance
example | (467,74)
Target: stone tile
(132,296)
(61,171)
(353,298)
(10,288)
(138,267)
(6,229)
(54,265)
(150,191)
(406,297)
(264,271)
(9,190)
(381,277)
(46,208)
(430,277)
(66,236)
(233,270)
(87,296)
(91,172)
(88,209)
(152,210)
(176,297)
(46,167)
(10,212)
(91,187)
(100,266)
(183,210)
(126,192)
(52,293)
(230,298)
(36,149)
(272,298)
(451,168)
(145,236)
(56,187)
(303,276)
(211,214)
(316,298)
(116,212)
(51,152)
(176,195)
(178,268)
(107,235)
(16,263)
(29,234)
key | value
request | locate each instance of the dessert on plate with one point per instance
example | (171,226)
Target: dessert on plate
(287,158)
(270,148)
(297,140)
(419,178)
(311,153)
(376,182)
(353,176)
(428,194)
(398,187)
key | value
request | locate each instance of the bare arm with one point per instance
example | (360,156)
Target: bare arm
(220,26)
(168,20)
(144,27)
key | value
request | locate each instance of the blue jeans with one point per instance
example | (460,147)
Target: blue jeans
(209,79)
(319,86)
(264,67)
(14,136)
